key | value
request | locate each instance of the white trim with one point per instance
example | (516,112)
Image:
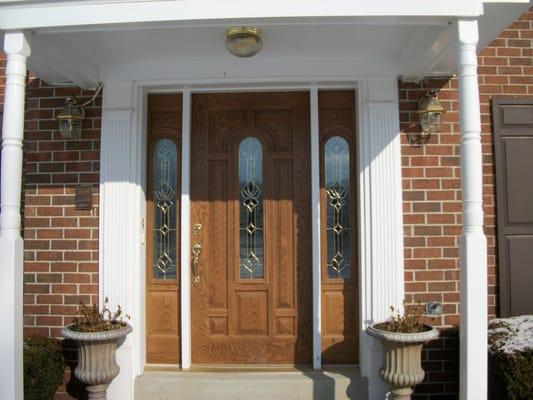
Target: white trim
(473,251)
(315,226)
(76,13)
(185,284)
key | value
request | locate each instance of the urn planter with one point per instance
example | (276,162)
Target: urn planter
(402,368)
(97,364)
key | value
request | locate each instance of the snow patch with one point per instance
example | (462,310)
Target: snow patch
(511,335)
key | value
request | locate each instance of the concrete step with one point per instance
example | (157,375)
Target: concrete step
(334,384)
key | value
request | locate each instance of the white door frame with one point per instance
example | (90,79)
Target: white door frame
(122,197)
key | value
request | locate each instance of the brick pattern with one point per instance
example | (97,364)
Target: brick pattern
(61,243)
(432,193)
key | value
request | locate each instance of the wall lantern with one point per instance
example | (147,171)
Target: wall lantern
(71,117)
(429,114)
(244,41)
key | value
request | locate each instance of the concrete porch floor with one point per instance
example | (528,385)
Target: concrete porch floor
(328,384)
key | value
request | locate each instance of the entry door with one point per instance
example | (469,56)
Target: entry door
(250,215)
(513,138)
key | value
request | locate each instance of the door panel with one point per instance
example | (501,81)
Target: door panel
(513,138)
(163,228)
(339,258)
(253,303)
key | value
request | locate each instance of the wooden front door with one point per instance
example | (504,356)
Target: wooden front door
(250,193)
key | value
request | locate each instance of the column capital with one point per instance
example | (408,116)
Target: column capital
(17,43)
(467,31)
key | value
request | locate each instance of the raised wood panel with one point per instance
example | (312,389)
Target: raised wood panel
(217,226)
(284,238)
(251,313)
(162,296)
(237,320)
(339,296)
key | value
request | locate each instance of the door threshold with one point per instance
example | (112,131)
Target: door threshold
(244,368)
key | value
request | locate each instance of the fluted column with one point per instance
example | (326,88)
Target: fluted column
(473,254)
(17,49)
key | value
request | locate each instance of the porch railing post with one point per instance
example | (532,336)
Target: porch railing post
(473,253)
(17,49)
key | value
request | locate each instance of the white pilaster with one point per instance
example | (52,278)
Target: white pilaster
(121,227)
(316,227)
(380,217)
(17,49)
(473,254)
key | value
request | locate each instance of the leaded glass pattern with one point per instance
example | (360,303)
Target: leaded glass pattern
(164,198)
(338,230)
(251,209)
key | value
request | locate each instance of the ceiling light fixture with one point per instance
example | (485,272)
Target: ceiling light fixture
(244,41)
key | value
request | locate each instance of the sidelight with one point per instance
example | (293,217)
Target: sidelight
(251,209)
(164,198)
(337,181)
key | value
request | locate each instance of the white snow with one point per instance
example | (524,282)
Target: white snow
(511,335)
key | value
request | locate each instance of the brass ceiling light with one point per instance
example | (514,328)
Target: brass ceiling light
(244,41)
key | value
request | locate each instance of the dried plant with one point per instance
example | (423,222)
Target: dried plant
(408,322)
(89,319)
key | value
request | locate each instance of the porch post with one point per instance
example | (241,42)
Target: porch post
(17,49)
(473,254)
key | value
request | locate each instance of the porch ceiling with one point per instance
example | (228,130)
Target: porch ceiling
(403,45)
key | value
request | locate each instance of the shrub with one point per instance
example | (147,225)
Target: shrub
(511,349)
(44,367)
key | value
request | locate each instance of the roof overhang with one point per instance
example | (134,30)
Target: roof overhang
(87,41)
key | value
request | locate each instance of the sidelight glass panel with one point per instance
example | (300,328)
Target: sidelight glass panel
(338,230)
(164,198)
(251,209)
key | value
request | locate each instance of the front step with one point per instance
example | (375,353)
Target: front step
(335,384)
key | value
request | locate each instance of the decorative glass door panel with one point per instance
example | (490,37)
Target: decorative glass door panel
(162,228)
(338,247)
(250,191)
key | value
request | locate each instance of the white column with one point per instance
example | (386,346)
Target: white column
(473,254)
(315,215)
(17,49)
(380,217)
(186,231)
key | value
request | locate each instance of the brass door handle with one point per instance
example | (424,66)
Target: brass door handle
(196,251)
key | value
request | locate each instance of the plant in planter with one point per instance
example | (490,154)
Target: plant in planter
(97,335)
(402,338)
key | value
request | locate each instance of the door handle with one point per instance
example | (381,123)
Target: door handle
(196,251)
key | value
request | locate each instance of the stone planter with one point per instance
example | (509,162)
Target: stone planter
(402,352)
(97,364)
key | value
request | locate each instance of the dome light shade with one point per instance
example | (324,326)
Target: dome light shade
(244,41)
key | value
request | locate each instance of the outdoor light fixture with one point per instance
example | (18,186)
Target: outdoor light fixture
(244,41)
(429,116)
(71,117)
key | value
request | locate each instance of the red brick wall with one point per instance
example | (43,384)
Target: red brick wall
(61,243)
(432,191)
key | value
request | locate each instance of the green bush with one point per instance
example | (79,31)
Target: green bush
(511,350)
(44,367)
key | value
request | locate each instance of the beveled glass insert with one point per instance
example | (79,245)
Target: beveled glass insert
(337,181)
(251,209)
(164,198)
